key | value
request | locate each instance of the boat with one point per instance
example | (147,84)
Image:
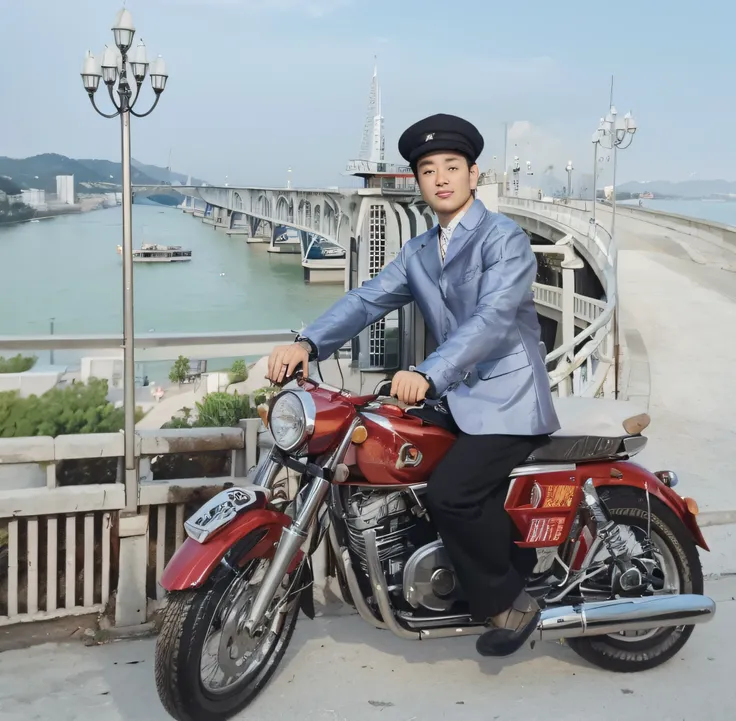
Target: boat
(155,253)
(318,248)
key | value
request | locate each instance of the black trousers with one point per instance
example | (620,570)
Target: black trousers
(466,495)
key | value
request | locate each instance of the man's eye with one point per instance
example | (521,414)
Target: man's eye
(454,167)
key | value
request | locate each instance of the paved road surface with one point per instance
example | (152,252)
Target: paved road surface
(339,669)
(675,291)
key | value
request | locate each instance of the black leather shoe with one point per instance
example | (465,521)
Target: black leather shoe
(510,629)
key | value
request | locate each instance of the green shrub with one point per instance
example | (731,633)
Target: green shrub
(238,372)
(216,410)
(77,408)
(180,370)
(222,409)
(17,364)
(263,395)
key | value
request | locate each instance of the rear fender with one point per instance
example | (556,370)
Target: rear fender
(193,562)
(626,473)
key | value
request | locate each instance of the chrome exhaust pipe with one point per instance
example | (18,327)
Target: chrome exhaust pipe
(597,618)
(624,614)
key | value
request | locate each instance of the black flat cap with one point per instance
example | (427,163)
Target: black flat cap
(437,133)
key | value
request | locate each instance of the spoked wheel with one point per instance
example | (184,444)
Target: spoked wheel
(674,557)
(208,667)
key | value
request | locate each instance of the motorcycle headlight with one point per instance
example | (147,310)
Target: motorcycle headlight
(291,420)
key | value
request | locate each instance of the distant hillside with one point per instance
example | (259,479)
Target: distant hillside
(164,175)
(684,189)
(8,186)
(40,171)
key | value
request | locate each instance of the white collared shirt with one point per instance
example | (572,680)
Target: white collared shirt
(445,234)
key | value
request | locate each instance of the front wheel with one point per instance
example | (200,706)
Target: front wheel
(677,555)
(208,667)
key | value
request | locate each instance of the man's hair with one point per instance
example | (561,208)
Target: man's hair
(468,160)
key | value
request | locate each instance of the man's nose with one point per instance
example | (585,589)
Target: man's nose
(440,178)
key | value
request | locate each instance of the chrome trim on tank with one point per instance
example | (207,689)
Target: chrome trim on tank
(378,420)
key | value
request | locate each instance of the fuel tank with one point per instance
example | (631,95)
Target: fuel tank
(399,448)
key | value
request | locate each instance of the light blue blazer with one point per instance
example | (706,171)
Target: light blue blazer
(479,308)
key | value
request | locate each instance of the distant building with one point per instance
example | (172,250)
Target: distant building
(3,196)
(65,189)
(34,197)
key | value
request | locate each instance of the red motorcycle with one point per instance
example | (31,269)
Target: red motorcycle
(618,573)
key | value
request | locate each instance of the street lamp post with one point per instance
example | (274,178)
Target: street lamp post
(615,134)
(117,61)
(569,170)
(516,170)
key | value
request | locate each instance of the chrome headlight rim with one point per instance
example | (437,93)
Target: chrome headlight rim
(310,418)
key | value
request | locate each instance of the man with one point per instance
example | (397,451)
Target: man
(471,277)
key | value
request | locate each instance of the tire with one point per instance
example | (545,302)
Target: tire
(629,507)
(179,649)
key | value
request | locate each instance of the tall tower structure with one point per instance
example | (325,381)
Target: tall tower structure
(373,146)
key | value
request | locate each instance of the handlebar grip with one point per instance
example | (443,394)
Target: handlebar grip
(296,375)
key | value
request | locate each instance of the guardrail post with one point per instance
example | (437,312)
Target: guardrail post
(131,599)
(568,305)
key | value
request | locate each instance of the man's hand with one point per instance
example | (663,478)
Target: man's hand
(409,387)
(285,359)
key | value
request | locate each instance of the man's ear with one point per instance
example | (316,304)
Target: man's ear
(474,173)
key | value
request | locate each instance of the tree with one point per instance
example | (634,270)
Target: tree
(180,371)
(238,371)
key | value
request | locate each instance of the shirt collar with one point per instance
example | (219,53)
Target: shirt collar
(454,222)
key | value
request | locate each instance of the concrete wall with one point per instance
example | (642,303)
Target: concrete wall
(488,194)
(30,383)
(706,229)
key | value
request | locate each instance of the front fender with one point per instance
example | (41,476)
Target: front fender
(193,562)
(626,473)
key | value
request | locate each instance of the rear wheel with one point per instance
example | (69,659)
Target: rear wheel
(677,556)
(208,667)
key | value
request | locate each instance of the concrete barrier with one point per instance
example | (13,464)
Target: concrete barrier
(697,227)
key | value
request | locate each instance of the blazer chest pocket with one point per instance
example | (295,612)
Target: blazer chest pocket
(470,274)
(501,366)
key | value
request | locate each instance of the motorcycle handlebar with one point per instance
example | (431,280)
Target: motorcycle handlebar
(383,398)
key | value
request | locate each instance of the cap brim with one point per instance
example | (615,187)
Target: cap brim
(438,146)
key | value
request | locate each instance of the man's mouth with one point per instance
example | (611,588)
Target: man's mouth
(444,194)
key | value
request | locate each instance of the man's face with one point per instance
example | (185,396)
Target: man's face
(446,181)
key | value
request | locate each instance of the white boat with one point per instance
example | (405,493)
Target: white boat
(155,253)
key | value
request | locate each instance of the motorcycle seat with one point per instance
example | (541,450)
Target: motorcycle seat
(601,417)
(591,429)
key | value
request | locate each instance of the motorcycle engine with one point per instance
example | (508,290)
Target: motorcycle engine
(390,516)
(418,572)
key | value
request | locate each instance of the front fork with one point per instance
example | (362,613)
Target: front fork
(293,536)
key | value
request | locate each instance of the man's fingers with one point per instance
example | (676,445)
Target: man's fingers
(296,360)
(274,363)
(401,388)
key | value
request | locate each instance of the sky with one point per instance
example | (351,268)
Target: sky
(258,86)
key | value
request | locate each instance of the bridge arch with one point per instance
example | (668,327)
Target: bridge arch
(282,208)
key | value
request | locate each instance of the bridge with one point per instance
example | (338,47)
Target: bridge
(72,550)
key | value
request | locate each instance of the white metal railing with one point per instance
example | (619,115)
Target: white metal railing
(59,544)
(587,368)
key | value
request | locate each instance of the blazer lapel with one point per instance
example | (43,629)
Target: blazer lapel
(429,254)
(464,231)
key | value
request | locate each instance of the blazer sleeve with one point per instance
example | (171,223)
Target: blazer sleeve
(360,307)
(504,285)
